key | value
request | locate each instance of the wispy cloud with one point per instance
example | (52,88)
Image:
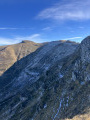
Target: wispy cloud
(47,29)
(34,37)
(8,28)
(5,28)
(73,38)
(31,37)
(81,27)
(67,10)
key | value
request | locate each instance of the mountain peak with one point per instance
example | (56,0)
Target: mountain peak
(26,41)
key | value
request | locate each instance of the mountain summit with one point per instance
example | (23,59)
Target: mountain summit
(27,41)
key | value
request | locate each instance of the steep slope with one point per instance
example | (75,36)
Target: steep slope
(54,84)
(12,53)
(38,62)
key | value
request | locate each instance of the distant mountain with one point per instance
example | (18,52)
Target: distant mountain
(11,53)
(52,83)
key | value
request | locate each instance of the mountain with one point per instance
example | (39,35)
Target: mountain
(39,60)
(52,83)
(11,53)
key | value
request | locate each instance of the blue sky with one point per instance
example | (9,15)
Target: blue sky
(43,20)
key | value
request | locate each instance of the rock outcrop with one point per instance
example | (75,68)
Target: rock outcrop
(85,50)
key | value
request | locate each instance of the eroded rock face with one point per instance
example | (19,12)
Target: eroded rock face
(85,50)
(53,85)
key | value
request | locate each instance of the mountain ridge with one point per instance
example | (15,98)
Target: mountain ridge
(53,85)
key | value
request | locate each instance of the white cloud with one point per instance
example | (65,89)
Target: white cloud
(73,38)
(6,41)
(8,28)
(67,10)
(47,29)
(5,28)
(31,37)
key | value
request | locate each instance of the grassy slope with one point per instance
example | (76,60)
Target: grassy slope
(11,53)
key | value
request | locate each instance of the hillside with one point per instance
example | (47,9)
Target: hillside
(53,83)
(11,53)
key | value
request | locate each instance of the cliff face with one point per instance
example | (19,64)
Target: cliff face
(85,50)
(53,85)
(12,53)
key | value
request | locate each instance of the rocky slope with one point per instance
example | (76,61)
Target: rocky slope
(12,53)
(39,61)
(53,83)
